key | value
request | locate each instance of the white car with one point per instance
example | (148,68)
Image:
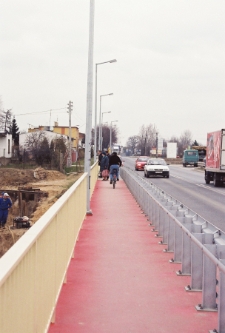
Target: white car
(156,167)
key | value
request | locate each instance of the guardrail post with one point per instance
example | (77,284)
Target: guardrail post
(150,212)
(177,236)
(161,221)
(221,300)
(171,233)
(155,218)
(197,258)
(188,218)
(177,244)
(186,253)
(165,229)
(209,282)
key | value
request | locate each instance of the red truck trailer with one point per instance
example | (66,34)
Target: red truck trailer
(215,158)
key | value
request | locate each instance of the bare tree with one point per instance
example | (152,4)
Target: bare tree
(183,142)
(185,139)
(34,139)
(106,135)
(58,147)
(147,136)
(133,142)
(34,144)
(5,121)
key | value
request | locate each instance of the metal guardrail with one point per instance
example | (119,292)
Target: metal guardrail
(198,245)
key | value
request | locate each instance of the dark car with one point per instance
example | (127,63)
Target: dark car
(140,162)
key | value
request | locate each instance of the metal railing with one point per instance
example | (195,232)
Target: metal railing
(33,271)
(196,244)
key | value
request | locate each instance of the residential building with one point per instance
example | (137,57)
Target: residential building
(5,147)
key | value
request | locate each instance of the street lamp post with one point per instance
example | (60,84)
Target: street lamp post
(110,136)
(101,126)
(156,144)
(100,117)
(96,72)
(87,158)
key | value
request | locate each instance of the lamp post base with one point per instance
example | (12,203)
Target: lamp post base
(89,213)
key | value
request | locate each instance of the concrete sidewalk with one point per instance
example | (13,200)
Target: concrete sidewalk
(120,280)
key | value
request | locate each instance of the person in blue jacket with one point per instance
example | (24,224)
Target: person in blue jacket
(5,205)
(104,164)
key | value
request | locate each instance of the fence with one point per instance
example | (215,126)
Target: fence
(195,243)
(33,270)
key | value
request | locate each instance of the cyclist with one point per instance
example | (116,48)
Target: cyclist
(114,163)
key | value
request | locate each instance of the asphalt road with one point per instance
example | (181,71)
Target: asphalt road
(188,186)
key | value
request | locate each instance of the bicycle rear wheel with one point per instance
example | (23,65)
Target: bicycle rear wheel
(114,180)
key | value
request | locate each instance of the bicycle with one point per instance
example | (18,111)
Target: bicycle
(114,177)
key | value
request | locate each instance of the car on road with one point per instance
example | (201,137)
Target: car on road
(140,162)
(156,167)
(190,157)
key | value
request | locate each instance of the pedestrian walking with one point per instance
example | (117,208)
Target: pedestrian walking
(5,205)
(104,166)
(99,162)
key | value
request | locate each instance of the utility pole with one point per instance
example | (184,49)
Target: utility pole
(145,143)
(70,109)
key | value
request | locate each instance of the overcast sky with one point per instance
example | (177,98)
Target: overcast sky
(170,68)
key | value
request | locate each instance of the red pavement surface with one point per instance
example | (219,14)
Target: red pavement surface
(120,280)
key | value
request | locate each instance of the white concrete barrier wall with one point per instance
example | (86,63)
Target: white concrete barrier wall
(32,272)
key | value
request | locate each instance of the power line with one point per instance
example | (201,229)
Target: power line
(24,114)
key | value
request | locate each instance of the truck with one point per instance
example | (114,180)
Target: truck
(190,157)
(201,152)
(215,158)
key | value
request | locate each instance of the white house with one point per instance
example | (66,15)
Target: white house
(5,145)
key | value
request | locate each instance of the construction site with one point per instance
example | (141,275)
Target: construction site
(32,193)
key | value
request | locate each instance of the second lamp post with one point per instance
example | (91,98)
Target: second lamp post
(100,121)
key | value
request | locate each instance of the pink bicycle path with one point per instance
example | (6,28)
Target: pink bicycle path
(120,280)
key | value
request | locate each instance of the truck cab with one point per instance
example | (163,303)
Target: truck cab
(190,157)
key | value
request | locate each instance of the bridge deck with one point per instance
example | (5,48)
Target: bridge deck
(120,280)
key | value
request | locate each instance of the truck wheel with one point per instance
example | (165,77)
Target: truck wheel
(207,178)
(184,165)
(196,164)
(216,181)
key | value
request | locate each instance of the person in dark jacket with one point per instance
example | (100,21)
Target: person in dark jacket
(99,157)
(99,161)
(104,164)
(5,205)
(114,163)
(108,155)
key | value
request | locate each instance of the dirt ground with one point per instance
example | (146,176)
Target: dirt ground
(54,183)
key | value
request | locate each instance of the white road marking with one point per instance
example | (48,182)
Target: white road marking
(202,185)
(210,188)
